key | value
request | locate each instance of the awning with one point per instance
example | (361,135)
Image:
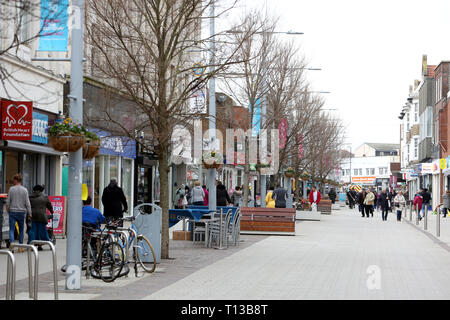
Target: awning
(31,147)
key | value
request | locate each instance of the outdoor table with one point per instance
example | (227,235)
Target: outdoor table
(175,215)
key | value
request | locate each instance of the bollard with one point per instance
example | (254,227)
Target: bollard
(10,275)
(425,217)
(438,223)
(410,211)
(417,215)
(55,265)
(32,285)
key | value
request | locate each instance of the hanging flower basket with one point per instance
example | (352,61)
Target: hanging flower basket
(289,173)
(66,136)
(262,167)
(212,160)
(67,143)
(91,149)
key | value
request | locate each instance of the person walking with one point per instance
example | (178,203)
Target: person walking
(280,196)
(236,197)
(39,204)
(445,203)
(270,202)
(383,203)
(179,199)
(198,195)
(222,197)
(399,204)
(188,194)
(206,198)
(369,202)
(418,201)
(426,196)
(360,200)
(114,202)
(18,207)
(332,195)
(351,199)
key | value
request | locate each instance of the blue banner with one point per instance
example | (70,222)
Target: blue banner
(40,124)
(54,32)
(256,122)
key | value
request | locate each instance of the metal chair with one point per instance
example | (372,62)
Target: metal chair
(231,230)
(216,228)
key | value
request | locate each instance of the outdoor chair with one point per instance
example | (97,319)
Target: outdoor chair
(232,227)
(214,229)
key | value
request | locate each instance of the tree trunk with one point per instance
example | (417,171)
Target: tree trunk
(246,172)
(164,200)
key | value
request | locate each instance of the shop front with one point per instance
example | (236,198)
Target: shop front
(146,177)
(34,159)
(116,159)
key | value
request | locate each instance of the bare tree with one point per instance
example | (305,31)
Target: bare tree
(247,81)
(143,49)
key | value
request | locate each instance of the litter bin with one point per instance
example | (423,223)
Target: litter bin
(148,223)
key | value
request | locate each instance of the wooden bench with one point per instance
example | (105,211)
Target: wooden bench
(276,221)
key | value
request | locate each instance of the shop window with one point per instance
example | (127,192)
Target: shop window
(88,178)
(114,167)
(29,171)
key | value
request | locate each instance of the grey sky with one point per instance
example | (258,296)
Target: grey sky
(370,52)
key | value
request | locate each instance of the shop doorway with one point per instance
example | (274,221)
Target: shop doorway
(12,165)
(144,185)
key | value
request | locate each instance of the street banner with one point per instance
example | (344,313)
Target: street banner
(368,180)
(54,31)
(17,120)
(256,122)
(59,205)
(282,128)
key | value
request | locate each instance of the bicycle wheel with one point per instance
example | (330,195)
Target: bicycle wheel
(144,249)
(110,262)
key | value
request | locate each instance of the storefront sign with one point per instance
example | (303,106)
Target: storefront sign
(17,120)
(40,124)
(58,204)
(426,168)
(114,145)
(366,180)
(54,29)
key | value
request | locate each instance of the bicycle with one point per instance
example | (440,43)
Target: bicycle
(140,244)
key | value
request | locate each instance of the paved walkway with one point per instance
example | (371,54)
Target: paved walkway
(343,256)
(331,259)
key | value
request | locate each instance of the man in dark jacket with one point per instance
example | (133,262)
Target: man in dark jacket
(222,196)
(426,196)
(332,195)
(114,201)
(280,196)
(383,202)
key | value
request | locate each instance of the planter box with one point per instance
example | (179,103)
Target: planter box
(308,215)
(182,235)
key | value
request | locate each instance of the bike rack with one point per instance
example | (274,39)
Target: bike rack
(10,275)
(32,286)
(55,273)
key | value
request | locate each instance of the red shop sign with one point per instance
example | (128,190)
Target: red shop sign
(17,120)
(59,214)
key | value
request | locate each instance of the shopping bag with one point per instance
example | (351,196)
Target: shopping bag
(184,203)
(314,207)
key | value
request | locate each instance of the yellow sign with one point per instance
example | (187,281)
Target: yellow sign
(443,164)
(84,191)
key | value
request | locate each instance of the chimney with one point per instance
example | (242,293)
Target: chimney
(424,65)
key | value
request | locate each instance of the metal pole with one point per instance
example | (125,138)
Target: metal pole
(212,110)
(438,223)
(417,215)
(289,199)
(73,273)
(220,231)
(410,211)
(425,217)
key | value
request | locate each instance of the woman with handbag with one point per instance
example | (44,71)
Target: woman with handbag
(399,204)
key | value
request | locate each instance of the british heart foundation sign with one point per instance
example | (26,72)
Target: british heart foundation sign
(17,120)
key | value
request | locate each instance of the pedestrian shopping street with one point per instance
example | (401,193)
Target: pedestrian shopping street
(334,258)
